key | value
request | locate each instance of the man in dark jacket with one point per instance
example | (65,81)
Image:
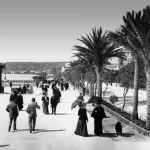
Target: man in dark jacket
(13,114)
(20,101)
(31,110)
(54,102)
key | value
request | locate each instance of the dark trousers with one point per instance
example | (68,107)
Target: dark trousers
(32,121)
(10,122)
(54,109)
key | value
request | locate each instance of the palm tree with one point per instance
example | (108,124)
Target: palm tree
(121,38)
(100,50)
(86,63)
(138,27)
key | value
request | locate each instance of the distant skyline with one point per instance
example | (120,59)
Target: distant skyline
(47,30)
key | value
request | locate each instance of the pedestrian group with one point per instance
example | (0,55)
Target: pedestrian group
(16,104)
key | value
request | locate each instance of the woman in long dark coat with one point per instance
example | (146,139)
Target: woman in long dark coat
(98,114)
(81,128)
(45,104)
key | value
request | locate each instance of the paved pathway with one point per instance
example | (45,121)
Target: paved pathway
(56,132)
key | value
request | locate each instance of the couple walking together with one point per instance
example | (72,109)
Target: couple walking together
(55,99)
(14,112)
(98,114)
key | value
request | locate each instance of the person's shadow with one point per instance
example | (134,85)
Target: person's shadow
(112,135)
(4,145)
(44,130)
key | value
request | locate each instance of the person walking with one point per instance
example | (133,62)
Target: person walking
(31,110)
(37,84)
(13,96)
(13,114)
(98,114)
(45,104)
(81,97)
(54,102)
(20,101)
(10,84)
(58,94)
(81,128)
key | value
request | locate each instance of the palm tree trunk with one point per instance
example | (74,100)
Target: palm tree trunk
(148,97)
(90,89)
(124,98)
(105,90)
(95,89)
(134,114)
(99,83)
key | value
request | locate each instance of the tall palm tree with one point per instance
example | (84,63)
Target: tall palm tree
(138,27)
(121,38)
(100,50)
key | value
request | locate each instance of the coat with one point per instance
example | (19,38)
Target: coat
(12,109)
(31,109)
(54,100)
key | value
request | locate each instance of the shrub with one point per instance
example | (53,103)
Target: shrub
(113,99)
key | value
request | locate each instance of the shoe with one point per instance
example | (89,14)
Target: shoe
(15,129)
(33,129)
(8,130)
(30,130)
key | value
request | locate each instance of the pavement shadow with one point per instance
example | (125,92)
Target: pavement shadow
(44,130)
(127,134)
(64,114)
(108,93)
(5,93)
(4,145)
(21,130)
(142,102)
(112,135)
(91,135)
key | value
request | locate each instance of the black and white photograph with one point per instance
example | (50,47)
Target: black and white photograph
(74,75)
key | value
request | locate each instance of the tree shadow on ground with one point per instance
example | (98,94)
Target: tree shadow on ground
(144,102)
(4,145)
(112,135)
(44,130)
(108,92)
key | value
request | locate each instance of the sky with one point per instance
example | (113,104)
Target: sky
(47,30)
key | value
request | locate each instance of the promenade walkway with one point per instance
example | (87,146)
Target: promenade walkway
(56,132)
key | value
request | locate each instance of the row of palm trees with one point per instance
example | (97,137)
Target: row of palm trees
(99,48)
